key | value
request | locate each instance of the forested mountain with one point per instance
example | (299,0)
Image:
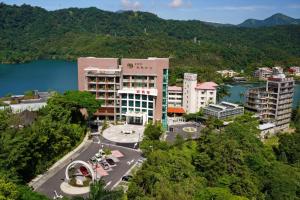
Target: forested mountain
(274,20)
(28,33)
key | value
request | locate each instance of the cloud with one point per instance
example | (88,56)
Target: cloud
(176,3)
(180,4)
(131,5)
(241,8)
(294,6)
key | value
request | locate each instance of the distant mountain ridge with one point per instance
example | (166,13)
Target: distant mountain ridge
(274,20)
(29,33)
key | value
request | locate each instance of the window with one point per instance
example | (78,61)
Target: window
(124,96)
(137,104)
(131,103)
(150,105)
(124,103)
(151,85)
(130,96)
(137,110)
(150,98)
(144,104)
(144,97)
(150,113)
(124,110)
(137,96)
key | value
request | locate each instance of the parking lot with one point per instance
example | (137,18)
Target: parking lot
(112,176)
(179,129)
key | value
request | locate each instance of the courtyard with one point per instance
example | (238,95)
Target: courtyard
(126,133)
(188,130)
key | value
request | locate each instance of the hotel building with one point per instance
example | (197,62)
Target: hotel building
(132,90)
(273,103)
(197,95)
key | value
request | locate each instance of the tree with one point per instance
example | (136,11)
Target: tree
(153,131)
(99,193)
(222,91)
(8,190)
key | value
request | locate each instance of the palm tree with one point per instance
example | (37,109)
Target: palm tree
(98,192)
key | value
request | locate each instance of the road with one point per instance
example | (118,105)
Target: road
(53,183)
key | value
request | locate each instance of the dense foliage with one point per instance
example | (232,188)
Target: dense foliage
(60,126)
(28,33)
(233,164)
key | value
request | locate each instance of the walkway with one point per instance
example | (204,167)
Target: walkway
(117,133)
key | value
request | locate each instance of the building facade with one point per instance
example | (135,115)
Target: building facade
(227,73)
(273,103)
(132,90)
(175,96)
(263,73)
(223,110)
(197,95)
(294,70)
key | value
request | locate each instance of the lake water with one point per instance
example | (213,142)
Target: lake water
(44,75)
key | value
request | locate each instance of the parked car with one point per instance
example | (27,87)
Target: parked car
(105,165)
(110,162)
(84,171)
(93,159)
(127,178)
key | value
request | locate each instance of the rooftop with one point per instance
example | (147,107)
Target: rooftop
(176,110)
(266,126)
(222,106)
(175,88)
(206,86)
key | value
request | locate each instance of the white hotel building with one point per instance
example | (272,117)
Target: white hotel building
(197,95)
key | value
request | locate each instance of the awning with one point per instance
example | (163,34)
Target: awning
(176,110)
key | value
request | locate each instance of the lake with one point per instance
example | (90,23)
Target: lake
(44,75)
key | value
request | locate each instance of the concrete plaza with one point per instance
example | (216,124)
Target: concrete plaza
(124,133)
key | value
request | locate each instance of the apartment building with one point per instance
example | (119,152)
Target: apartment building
(197,95)
(273,103)
(263,73)
(132,90)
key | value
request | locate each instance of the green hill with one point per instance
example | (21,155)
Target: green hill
(28,33)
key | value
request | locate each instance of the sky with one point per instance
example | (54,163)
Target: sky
(221,11)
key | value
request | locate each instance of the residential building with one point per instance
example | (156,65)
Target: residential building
(132,90)
(175,96)
(223,110)
(273,103)
(197,95)
(227,73)
(263,73)
(294,70)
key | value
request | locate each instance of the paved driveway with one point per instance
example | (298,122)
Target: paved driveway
(113,178)
(178,130)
